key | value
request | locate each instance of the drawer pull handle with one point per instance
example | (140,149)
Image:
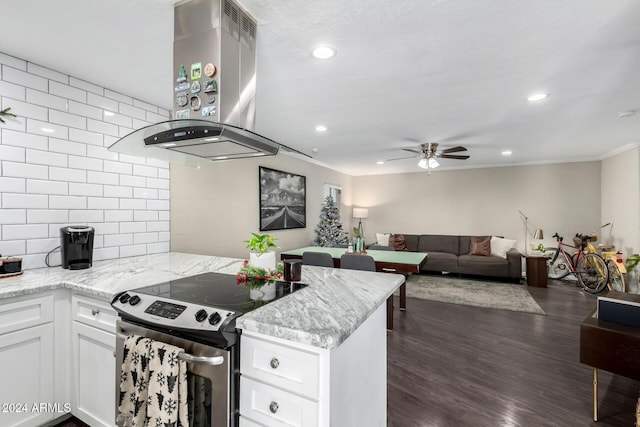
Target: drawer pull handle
(95,311)
(274,363)
(273,407)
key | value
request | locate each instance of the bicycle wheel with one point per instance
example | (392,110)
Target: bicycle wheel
(557,265)
(592,273)
(616,279)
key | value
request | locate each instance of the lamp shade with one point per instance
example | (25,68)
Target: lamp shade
(538,234)
(360,212)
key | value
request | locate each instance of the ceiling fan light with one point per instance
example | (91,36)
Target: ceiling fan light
(433,163)
(423,163)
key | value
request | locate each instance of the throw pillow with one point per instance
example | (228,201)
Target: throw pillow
(480,246)
(396,241)
(383,239)
(500,246)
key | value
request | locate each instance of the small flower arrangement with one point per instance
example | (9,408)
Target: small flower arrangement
(257,276)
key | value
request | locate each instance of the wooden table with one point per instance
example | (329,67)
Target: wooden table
(610,346)
(401,262)
(537,271)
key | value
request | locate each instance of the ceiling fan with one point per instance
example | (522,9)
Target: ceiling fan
(429,152)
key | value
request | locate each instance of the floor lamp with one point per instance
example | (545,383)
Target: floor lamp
(537,234)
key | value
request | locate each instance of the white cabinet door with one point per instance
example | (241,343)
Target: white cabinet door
(93,396)
(26,372)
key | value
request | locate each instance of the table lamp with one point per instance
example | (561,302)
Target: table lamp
(360,214)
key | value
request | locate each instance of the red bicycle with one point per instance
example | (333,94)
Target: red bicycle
(589,268)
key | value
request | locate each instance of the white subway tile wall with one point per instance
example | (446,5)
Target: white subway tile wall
(55,169)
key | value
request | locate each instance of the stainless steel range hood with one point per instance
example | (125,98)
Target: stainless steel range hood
(214,84)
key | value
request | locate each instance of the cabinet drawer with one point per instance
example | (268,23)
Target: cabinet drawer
(26,312)
(94,313)
(275,407)
(286,367)
(246,422)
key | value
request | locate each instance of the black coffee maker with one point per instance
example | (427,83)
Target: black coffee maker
(76,246)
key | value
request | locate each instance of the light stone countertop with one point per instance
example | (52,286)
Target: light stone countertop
(323,314)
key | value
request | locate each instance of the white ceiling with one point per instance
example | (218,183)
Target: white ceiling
(456,72)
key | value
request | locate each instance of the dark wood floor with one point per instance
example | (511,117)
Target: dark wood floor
(454,365)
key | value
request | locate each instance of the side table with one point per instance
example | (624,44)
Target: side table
(537,271)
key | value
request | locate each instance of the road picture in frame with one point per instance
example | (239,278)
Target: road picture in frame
(283,200)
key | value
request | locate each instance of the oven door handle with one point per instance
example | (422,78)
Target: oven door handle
(190,358)
(201,360)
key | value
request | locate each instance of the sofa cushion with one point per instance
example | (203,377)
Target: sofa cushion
(483,265)
(480,246)
(411,242)
(441,261)
(438,243)
(464,243)
(500,246)
(382,239)
(396,241)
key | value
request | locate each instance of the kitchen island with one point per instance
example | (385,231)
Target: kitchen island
(338,320)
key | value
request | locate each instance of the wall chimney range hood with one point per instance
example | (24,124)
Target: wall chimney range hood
(214,79)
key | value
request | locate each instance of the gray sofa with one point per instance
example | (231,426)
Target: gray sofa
(451,254)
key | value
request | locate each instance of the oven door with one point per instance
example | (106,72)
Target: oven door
(211,373)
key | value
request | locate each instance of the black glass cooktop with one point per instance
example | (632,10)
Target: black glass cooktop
(222,291)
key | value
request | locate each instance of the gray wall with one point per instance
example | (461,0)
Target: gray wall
(563,198)
(214,209)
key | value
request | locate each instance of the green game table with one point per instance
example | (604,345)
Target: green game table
(386,261)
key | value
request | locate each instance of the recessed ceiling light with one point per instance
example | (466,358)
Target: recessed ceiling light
(314,149)
(221,158)
(321,128)
(626,113)
(380,162)
(323,51)
(47,130)
(535,97)
(506,153)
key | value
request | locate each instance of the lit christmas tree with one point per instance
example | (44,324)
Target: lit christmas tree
(329,231)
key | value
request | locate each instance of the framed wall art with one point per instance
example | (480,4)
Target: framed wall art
(283,200)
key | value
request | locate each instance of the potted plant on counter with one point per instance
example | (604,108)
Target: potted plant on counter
(262,255)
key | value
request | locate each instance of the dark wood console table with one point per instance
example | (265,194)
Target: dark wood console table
(537,271)
(610,346)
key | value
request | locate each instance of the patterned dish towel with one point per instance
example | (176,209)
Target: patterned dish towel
(153,385)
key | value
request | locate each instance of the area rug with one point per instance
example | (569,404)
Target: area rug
(477,293)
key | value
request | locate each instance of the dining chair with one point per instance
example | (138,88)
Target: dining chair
(357,262)
(320,259)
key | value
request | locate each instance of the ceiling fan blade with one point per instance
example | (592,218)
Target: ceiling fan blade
(453,156)
(402,158)
(454,149)
(412,150)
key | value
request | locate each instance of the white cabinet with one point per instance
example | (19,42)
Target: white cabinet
(284,383)
(93,362)
(27,362)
